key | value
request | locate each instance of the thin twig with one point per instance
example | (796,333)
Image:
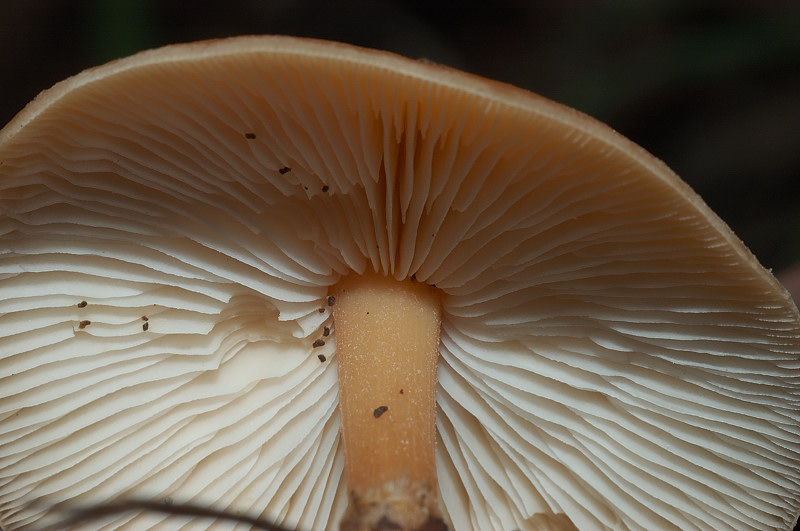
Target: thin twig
(86,514)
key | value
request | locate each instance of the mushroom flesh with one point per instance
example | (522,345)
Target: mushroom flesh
(203,245)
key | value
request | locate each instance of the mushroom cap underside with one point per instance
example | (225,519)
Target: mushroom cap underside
(170,225)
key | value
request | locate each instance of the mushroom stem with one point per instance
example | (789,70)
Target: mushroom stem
(387,341)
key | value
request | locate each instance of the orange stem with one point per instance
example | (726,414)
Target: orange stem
(387,340)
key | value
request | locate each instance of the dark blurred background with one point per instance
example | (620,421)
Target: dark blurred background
(710,87)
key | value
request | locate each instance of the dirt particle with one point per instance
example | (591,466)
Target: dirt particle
(401,391)
(250,136)
(380,411)
(321,310)
(326,331)
(284,170)
(145,318)
(386,524)
(325,188)
(318,343)
(321,357)
(82,304)
(331,300)
(84,324)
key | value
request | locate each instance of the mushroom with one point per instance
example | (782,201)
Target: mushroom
(313,233)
